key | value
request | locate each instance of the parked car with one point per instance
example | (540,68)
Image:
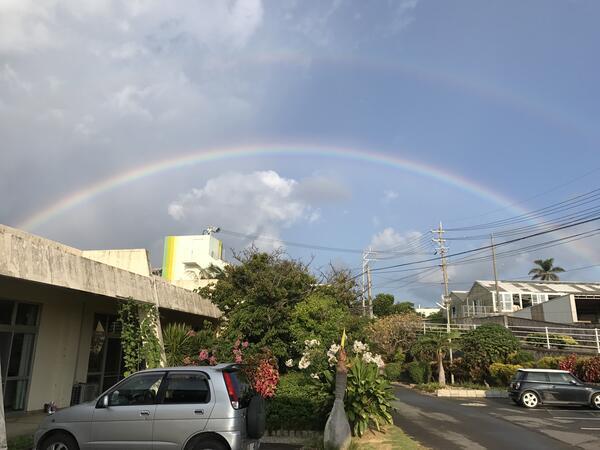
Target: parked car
(184,408)
(532,387)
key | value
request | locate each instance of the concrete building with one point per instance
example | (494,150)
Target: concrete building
(187,260)
(59,334)
(427,311)
(550,301)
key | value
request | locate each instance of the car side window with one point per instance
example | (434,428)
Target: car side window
(537,376)
(186,388)
(138,390)
(560,378)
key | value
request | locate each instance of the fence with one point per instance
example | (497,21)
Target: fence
(582,340)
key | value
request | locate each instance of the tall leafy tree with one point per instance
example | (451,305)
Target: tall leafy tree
(436,346)
(545,270)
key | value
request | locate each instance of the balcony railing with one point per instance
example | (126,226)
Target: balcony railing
(477,311)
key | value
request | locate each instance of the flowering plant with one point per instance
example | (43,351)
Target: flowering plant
(263,373)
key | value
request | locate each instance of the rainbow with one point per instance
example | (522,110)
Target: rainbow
(103,186)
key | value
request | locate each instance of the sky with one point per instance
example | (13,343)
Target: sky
(343,124)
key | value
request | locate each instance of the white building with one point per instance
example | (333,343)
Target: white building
(187,260)
(427,311)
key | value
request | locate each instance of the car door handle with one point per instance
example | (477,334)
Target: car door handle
(144,412)
(199,411)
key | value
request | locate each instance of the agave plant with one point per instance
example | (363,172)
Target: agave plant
(178,341)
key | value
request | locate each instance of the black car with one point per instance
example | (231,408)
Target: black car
(531,387)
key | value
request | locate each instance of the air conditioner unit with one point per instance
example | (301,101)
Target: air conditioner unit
(84,392)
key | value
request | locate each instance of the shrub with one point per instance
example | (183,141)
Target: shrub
(429,387)
(419,372)
(368,397)
(555,340)
(297,404)
(547,362)
(520,357)
(502,373)
(591,370)
(486,345)
(393,371)
(394,333)
(568,363)
(177,339)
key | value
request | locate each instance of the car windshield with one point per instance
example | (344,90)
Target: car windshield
(518,376)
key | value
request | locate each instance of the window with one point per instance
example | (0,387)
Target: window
(506,302)
(18,330)
(184,388)
(560,377)
(137,390)
(537,376)
(105,364)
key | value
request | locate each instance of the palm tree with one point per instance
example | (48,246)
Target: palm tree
(546,270)
(438,344)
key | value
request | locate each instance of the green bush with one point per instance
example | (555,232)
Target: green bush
(502,373)
(547,362)
(486,345)
(419,372)
(298,404)
(429,387)
(368,397)
(520,357)
(555,340)
(393,371)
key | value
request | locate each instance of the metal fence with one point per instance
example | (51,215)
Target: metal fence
(580,340)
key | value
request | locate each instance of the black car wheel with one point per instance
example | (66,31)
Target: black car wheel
(530,399)
(596,400)
(210,444)
(59,441)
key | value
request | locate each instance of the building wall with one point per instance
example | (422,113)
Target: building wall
(134,260)
(558,310)
(183,253)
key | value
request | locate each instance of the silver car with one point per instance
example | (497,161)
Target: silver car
(186,408)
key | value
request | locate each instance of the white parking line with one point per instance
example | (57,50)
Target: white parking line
(577,418)
(584,428)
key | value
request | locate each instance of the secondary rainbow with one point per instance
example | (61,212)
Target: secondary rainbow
(103,186)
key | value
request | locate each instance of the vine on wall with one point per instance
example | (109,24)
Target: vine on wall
(141,347)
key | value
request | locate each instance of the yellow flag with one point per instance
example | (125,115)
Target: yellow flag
(343,343)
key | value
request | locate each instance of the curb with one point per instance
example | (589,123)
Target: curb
(470,393)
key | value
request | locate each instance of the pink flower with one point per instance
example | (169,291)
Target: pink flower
(245,344)
(191,333)
(238,359)
(237,343)
(212,360)
(203,356)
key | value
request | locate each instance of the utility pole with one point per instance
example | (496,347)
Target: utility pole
(368,286)
(443,251)
(497,302)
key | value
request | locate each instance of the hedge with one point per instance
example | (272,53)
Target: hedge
(297,405)
(419,372)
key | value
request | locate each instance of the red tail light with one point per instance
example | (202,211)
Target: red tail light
(233,397)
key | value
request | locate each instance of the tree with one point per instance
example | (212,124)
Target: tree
(258,296)
(395,333)
(383,305)
(437,317)
(485,345)
(436,345)
(546,270)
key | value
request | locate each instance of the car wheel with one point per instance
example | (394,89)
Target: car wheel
(596,400)
(530,399)
(59,441)
(210,444)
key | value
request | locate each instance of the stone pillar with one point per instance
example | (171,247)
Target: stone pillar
(337,434)
(2,423)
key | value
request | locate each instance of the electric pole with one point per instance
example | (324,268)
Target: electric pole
(367,287)
(443,251)
(497,302)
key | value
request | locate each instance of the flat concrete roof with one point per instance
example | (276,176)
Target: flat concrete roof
(29,257)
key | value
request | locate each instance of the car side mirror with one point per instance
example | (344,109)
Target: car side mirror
(105,401)
(573,382)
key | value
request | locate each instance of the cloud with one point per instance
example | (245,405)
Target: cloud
(258,203)
(389,196)
(390,239)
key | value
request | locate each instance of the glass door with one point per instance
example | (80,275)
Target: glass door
(18,330)
(105,366)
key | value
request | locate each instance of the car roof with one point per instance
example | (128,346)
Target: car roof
(544,370)
(215,368)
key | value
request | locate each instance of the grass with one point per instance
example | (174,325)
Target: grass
(20,443)
(393,438)
(432,387)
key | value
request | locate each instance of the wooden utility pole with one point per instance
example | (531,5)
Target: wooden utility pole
(497,302)
(443,251)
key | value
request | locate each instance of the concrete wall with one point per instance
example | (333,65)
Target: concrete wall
(28,257)
(134,260)
(559,310)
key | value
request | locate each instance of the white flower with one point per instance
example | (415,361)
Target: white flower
(358,347)
(377,359)
(314,375)
(289,363)
(311,343)
(304,362)
(331,354)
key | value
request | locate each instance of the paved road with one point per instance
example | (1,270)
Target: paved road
(475,423)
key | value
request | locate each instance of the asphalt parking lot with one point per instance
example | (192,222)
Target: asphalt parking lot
(478,423)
